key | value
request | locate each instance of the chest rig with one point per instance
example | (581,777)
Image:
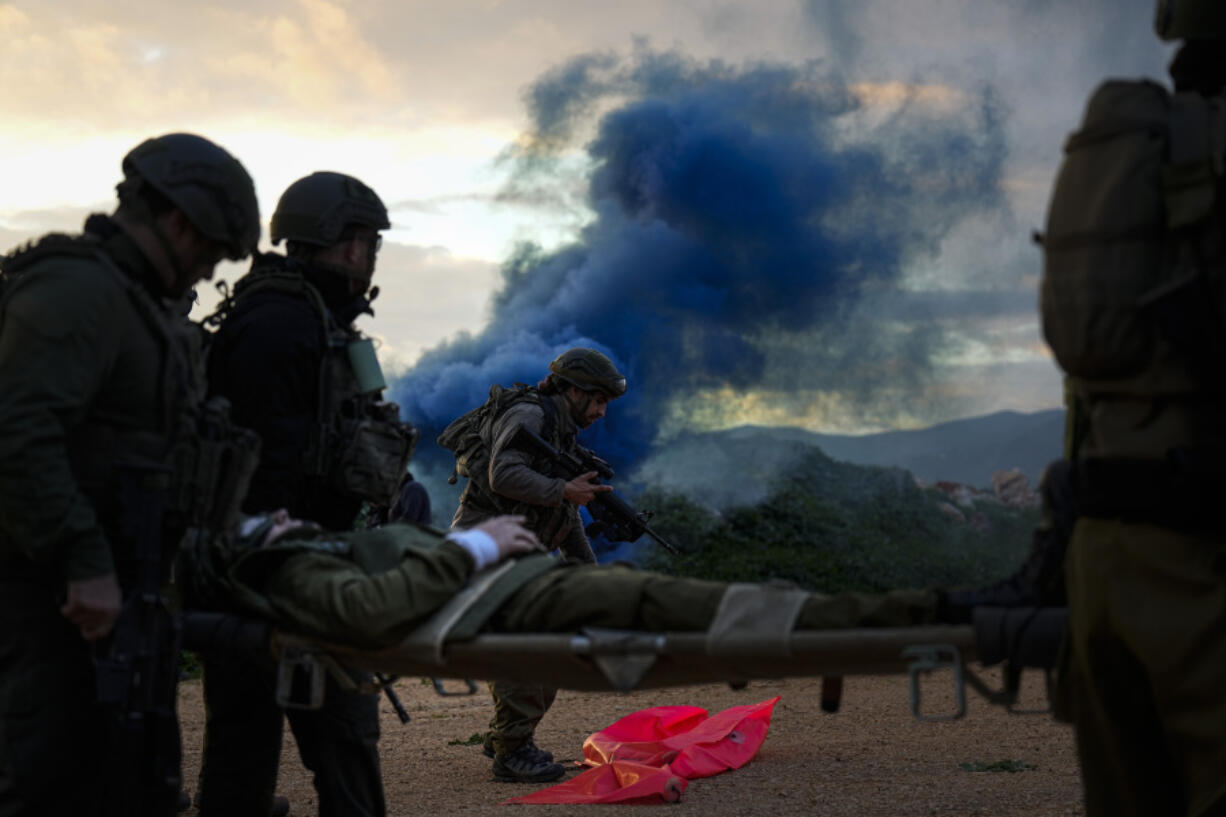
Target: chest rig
(205,460)
(358,447)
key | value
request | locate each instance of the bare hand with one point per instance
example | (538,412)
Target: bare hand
(93,605)
(509,533)
(581,490)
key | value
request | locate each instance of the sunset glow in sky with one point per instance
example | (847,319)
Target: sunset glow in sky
(432,105)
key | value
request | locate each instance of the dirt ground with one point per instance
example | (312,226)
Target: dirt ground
(871,758)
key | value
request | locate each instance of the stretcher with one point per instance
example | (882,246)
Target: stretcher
(620,661)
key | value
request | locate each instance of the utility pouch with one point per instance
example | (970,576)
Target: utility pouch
(365,366)
(213,470)
(372,458)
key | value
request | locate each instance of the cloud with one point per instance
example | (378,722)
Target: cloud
(139,66)
(425,295)
(316,56)
(747,222)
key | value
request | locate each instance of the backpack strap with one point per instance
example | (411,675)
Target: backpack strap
(1196,158)
(550,424)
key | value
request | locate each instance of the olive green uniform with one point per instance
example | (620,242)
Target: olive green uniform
(521,487)
(90,371)
(515,476)
(1146,576)
(1132,309)
(372,588)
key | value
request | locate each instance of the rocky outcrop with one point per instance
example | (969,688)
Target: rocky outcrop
(1013,489)
(964,496)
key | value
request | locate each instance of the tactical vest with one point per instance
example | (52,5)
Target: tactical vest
(208,462)
(358,446)
(1133,296)
(471,438)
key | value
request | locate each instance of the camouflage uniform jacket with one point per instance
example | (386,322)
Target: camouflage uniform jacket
(522,487)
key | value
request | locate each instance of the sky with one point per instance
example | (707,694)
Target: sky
(786,212)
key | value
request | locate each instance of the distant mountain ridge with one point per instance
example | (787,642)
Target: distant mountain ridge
(735,467)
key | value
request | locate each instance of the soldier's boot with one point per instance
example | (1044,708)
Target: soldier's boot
(1039,582)
(488,748)
(526,764)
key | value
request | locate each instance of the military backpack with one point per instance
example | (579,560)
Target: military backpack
(469,435)
(1133,296)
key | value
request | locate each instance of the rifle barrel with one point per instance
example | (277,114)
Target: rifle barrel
(661,540)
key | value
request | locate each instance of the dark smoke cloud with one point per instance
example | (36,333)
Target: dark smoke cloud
(736,207)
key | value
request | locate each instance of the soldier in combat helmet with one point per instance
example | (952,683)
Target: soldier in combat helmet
(96,380)
(505,479)
(302,377)
(1134,308)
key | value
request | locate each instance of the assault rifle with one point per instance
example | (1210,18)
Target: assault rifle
(137,671)
(612,516)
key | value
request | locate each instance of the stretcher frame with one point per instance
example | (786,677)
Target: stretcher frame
(621,661)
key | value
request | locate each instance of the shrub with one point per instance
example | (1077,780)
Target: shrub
(831,526)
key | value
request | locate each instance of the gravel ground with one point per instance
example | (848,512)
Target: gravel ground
(871,758)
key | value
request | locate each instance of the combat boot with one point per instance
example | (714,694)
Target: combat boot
(526,764)
(488,748)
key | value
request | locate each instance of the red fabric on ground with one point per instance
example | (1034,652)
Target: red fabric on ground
(649,755)
(622,781)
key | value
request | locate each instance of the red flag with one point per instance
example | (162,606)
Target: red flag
(649,755)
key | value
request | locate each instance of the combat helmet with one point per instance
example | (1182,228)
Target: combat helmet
(208,185)
(317,209)
(1190,19)
(589,370)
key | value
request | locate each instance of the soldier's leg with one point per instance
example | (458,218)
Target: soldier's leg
(242,739)
(1147,626)
(518,708)
(568,599)
(339,743)
(52,734)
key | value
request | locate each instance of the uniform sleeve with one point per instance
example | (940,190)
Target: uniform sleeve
(576,547)
(56,352)
(333,599)
(511,473)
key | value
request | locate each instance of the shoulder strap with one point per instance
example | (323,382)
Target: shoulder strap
(550,425)
(1196,159)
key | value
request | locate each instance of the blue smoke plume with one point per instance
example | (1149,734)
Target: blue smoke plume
(744,220)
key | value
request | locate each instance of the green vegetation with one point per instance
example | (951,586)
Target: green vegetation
(832,526)
(475,739)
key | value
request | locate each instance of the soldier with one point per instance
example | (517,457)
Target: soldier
(373,588)
(301,376)
(503,478)
(1132,306)
(96,384)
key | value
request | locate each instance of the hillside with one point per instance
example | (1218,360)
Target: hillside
(735,467)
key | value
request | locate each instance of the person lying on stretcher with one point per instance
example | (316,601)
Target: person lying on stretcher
(371,588)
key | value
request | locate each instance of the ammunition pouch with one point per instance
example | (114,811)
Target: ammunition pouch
(370,458)
(212,471)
